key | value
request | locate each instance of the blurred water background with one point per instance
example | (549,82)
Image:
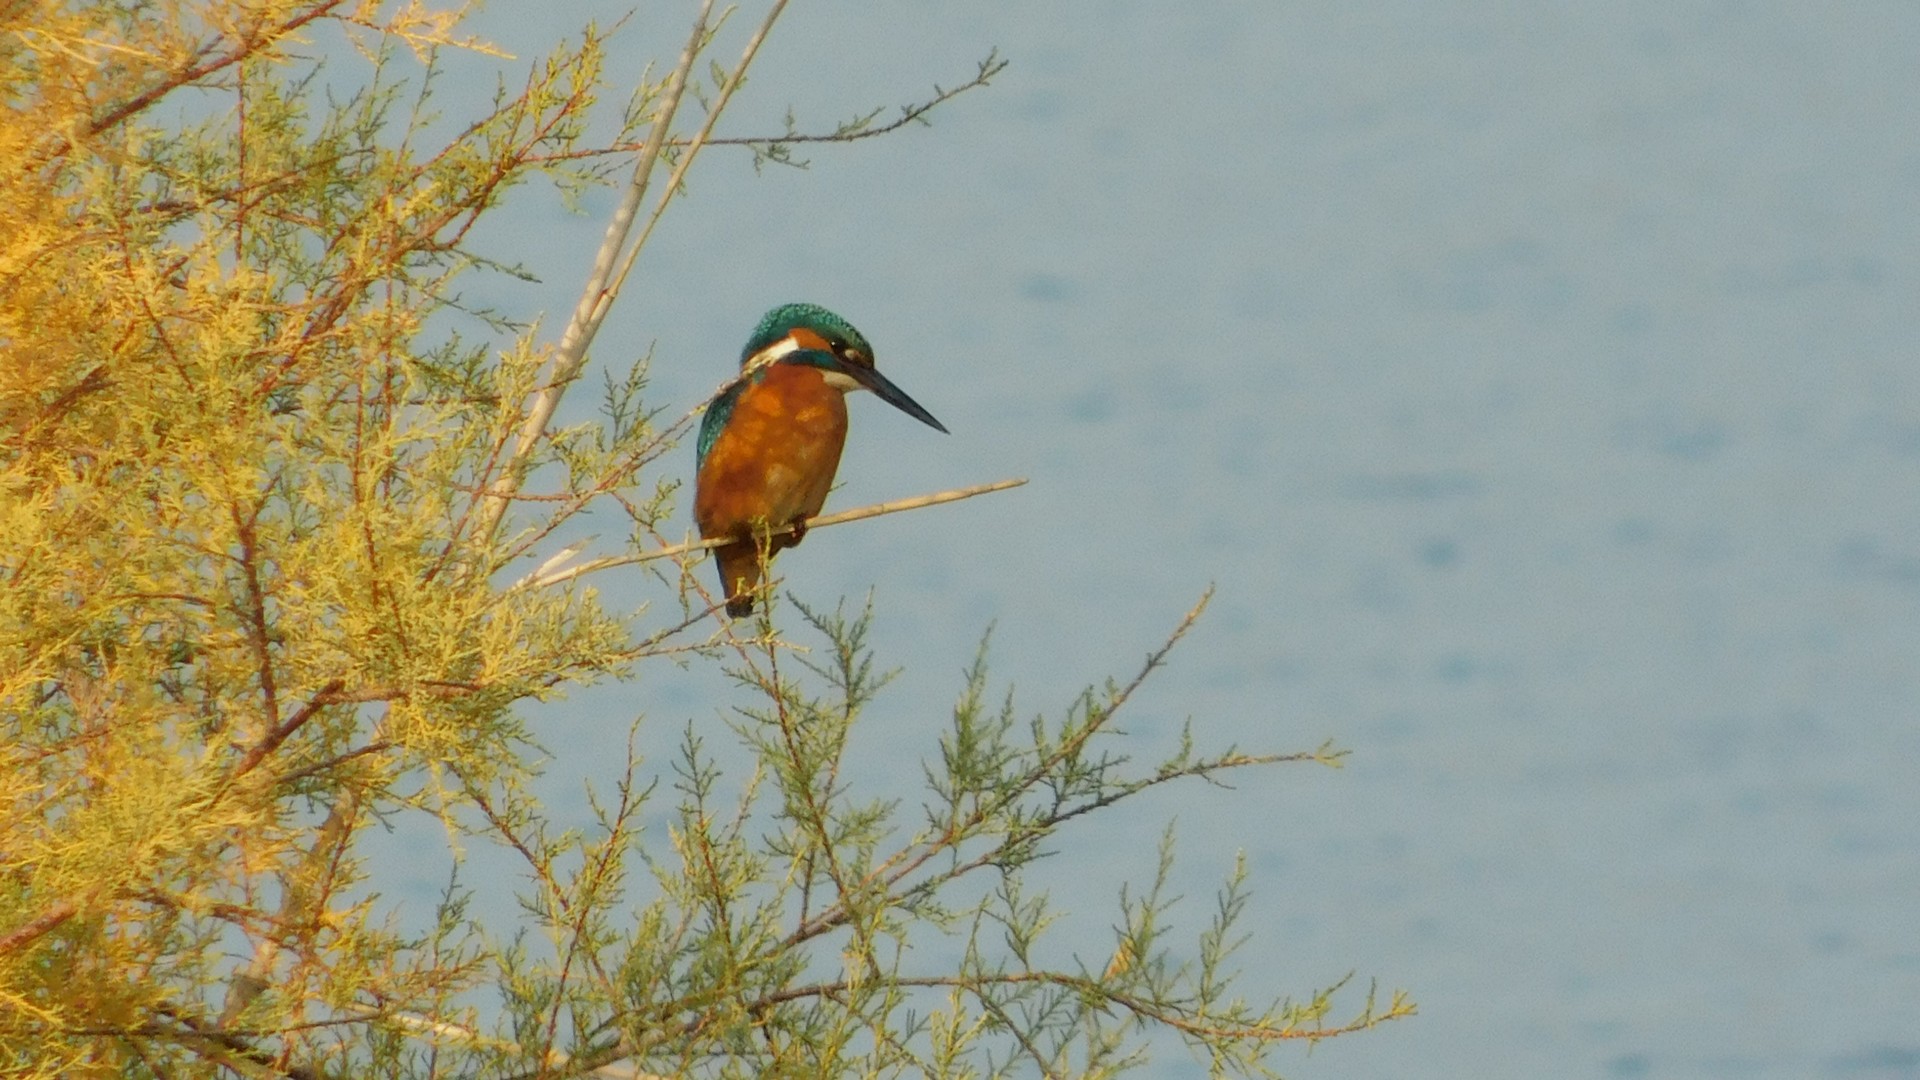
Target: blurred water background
(1536,383)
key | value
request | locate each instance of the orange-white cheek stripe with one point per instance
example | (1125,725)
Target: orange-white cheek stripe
(804,338)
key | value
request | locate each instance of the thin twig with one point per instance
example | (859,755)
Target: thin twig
(597,296)
(909,114)
(693,146)
(841,518)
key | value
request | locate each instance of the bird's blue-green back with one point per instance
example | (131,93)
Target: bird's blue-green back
(715,420)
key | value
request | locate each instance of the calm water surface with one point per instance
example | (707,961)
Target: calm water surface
(1538,387)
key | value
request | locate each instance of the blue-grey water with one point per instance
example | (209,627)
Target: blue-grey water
(1538,386)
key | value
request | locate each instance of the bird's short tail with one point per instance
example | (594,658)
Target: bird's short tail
(739,575)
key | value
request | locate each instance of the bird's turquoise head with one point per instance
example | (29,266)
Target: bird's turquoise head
(810,334)
(810,326)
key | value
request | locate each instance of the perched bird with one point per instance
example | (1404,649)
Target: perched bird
(770,441)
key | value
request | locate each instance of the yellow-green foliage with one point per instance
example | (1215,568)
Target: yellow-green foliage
(242,547)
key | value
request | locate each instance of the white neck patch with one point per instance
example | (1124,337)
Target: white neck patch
(842,382)
(769,354)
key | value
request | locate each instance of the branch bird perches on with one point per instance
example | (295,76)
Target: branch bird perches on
(544,577)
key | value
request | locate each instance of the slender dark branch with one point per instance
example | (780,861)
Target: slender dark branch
(1014,1029)
(1192,1021)
(222,1043)
(426,688)
(906,861)
(852,132)
(334,762)
(256,611)
(280,732)
(204,62)
(909,114)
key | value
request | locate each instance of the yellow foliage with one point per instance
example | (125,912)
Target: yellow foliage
(240,577)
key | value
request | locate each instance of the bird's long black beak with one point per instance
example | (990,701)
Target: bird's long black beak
(884,389)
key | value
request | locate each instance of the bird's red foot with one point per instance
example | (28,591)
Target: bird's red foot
(799,527)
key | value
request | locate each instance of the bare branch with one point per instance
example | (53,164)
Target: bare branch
(597,297)
(909,114)
(855,131)
(40,924)
(841,518)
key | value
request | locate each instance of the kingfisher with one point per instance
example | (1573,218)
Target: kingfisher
(771,440)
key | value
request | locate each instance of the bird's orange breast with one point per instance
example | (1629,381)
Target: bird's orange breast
(774,460)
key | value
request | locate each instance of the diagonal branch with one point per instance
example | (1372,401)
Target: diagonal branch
(604,284)
(597,297)
(43,923)
(538,580)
